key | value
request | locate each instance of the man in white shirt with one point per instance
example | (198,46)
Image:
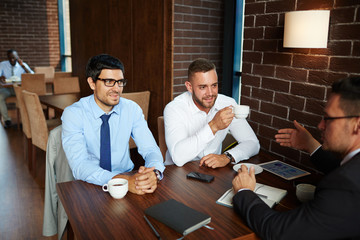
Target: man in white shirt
(10,69)
(197,121)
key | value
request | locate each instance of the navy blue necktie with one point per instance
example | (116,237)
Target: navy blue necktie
(105,148)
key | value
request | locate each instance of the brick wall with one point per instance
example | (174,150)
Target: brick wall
(284,84)
(198,32)
(31,28)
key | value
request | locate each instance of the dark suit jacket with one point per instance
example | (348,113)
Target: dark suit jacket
(333,214)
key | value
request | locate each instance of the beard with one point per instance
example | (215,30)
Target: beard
(203,103)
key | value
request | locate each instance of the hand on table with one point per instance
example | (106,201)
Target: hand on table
(298,138)
(214,160)
(222,119)
(142,182)
(244,179)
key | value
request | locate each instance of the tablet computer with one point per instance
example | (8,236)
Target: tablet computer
(283,170)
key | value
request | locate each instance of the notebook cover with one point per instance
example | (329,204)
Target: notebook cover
(178,216)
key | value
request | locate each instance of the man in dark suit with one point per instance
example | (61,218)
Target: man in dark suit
(335,211)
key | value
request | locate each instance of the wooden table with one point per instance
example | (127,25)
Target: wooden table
(94,214)
(59,101)
(8,84)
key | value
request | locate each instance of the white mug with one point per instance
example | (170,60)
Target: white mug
(241,111)
(117,187)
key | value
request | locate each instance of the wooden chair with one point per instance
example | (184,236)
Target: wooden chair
(62,74)
(66,85)
(34,83)
(161,135)
(39,126)
(49,72)
(25,125)
(143,100)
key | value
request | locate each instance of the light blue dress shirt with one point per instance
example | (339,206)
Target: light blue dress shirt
(81,125)
(6,69)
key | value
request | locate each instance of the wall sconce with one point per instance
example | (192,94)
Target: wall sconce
(306,29)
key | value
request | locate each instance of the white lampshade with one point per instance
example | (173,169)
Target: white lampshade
(306,29)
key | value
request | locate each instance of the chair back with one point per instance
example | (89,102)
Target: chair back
(23,113)
(38,126)
(143,100)
(49,72)
(62,74)
(161,135)
(66,85)
(34,83)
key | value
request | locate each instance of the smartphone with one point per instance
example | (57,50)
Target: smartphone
(200,176)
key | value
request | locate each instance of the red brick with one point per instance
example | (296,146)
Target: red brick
(263,70)
(342,15)
(274,33)
(338,48)
(345,3)
(350,65)
(253,33)
(265,45)
(200,11)
(277,58)
(280,6)
(356,48)
(253,103)
(262,94)
(254,57)
(248,44)
(247,79)
(266,20)
(261,117)
(324,78)
(311,62)
(285,151)
(254,8)
(264,142)
(279,123)
(315,106)
(249,21)
(267,131)
(273,109)
(290,73)
(289,100)
(246,67)
(313,5)
(307,90)
(342,32)
(305,118)
(245,90)
(275,84)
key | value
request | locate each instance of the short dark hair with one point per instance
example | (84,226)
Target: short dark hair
(103,61)
(10,51)
(349,91)
(200,65)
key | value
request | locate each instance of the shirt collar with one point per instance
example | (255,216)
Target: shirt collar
(349,156)
(98,112)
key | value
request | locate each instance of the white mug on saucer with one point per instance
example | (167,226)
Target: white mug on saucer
(117,187)
(241,111)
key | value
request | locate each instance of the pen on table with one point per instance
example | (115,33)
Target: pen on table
(152,227)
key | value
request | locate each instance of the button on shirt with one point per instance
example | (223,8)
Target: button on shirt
(6,69)
(189,136)
(81,125)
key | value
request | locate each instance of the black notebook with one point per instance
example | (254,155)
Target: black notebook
(178,216)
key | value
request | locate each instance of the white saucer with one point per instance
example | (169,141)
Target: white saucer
(258,169)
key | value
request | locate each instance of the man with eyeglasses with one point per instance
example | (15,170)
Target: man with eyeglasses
(96,132)
(334,213)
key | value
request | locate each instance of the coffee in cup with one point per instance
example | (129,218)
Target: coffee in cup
(241,111)
(117,187)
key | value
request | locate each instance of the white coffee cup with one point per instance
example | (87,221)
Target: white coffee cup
(305,192)
(117,187)
(241,111)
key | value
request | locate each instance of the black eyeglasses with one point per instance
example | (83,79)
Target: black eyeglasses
(333,118)
(109,82)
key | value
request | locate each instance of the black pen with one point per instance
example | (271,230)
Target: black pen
(152,227)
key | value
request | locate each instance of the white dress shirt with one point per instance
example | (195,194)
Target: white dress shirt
(189,137)
(7,70)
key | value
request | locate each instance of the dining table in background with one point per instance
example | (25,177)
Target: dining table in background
(94,214)
(59,102)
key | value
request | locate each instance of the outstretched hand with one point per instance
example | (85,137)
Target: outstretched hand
(298,138)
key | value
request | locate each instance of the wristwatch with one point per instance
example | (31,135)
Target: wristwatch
(158,174)
(230,157)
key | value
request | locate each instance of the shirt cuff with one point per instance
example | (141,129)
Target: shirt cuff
(244,189)
(315,150)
